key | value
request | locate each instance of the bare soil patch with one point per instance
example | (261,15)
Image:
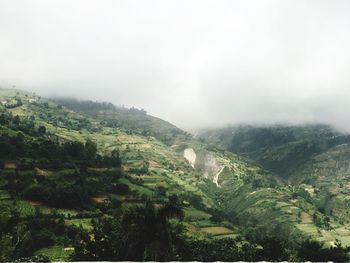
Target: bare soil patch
(36,203)
(216,230)
(153,164)
(123,138)
(99,199)
(306,218)
(41,172)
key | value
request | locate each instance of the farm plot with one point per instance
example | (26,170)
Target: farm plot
(56,253)
(306,218)
(85,223)
(217,230)
(192,214)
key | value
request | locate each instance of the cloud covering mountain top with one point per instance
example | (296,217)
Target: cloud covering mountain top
(195,63)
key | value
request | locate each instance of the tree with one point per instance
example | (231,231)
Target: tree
(6,248)
(16,120)
(75,149)
(138,234)
(90,149)
(6,239)
(149,236)
(42,130)
(315,251)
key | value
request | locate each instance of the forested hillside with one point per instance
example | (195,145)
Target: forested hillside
(83,180)
(280,149)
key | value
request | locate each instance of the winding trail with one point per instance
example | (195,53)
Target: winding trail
(216,177)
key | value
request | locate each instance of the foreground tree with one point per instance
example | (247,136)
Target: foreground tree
(138,234)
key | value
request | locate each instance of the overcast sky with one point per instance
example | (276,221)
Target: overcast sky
(194,63)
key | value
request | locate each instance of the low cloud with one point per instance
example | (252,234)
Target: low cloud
(195,63)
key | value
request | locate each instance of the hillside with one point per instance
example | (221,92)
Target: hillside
(313,158)
(279,149)
(129,120)
(70,167)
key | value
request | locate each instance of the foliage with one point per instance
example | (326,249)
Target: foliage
(141,233)
(278,148)
(68,170)
(132,121)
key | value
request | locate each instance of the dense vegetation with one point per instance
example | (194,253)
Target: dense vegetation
(280,149)
(130,120)
(146,233)
(91,181)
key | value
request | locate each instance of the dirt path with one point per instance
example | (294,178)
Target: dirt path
(216,177)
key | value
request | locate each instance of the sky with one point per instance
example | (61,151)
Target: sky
(195,63)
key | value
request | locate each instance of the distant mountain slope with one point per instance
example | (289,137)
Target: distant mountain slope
(328,177)
(314,162)
(280,149)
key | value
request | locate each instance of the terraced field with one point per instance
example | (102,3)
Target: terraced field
(223,194)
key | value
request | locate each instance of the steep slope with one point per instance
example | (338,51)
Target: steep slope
(143,157)
(314,160)
(279,149)
(152,169)
(129,120)
(78,149)
(328,178)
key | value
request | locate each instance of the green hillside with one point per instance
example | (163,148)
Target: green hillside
(279,149)
(311,161)
(83,180)
(129,120)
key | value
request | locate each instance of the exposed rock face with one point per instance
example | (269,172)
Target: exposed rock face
(190,156)
(9,164)
(209,165)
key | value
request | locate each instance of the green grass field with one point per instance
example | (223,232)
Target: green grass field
(217,230)
(192,214)
(85,223)
(55,253)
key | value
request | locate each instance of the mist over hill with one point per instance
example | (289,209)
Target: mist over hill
(194,63)
(187,130)
(77,173)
